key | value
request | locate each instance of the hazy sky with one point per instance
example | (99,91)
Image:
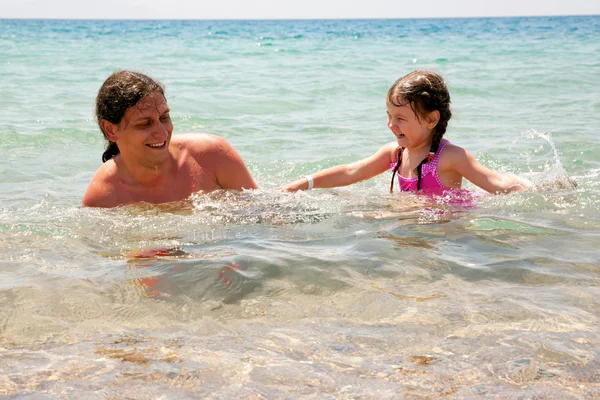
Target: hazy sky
(275,9)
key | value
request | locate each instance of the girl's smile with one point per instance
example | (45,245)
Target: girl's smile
(410,130)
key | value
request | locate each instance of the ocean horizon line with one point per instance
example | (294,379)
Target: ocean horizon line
(304,19)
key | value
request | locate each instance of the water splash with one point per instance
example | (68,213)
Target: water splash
(554,177)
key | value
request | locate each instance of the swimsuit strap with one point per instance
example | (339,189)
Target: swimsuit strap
(431,166)
(439,152)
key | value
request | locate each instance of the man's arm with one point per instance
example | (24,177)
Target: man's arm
(231,171)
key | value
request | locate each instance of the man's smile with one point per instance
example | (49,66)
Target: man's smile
(157,145)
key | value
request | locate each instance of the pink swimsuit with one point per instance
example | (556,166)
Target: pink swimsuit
(430,180)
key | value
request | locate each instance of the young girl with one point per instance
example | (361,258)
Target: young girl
(418,109)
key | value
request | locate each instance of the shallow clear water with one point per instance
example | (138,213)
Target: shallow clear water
(337,293)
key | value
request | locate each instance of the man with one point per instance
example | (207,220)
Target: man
(143,161)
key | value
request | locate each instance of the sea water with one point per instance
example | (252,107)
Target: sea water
(341,293)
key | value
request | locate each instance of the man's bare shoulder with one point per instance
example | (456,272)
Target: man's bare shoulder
(200,142)
(214,153)
(101,191)
(205,147)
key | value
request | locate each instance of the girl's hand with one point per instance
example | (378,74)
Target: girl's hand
(300,184)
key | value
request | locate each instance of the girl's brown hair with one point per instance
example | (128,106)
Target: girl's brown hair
(425,91)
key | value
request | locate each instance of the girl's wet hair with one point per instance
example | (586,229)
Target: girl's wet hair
(424,91)
(121,90)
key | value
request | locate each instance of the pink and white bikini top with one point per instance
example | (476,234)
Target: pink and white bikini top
(430,180)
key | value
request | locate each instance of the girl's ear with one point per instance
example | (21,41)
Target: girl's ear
(432,119)
(109,129)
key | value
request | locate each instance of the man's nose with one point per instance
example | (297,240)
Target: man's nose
(162,130)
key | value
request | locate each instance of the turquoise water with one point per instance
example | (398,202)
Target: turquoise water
(341,293)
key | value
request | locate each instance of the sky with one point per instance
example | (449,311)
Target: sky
(287,9)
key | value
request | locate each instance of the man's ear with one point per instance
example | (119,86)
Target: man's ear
(109,129)
(432,119)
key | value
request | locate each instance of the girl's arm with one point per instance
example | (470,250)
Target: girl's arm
(491,181)
(347,174)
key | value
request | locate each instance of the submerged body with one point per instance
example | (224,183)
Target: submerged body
(449,165)
(195,162)
(445,170)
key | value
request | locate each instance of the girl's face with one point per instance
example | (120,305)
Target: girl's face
(411,130)
(145,130)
